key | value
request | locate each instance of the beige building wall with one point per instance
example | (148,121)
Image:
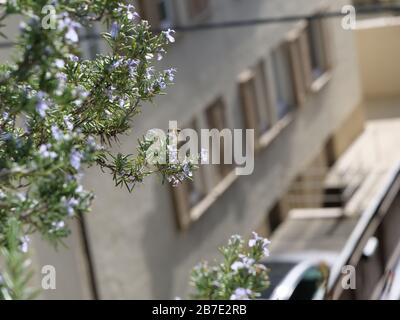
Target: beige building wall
(378,46)
(138,249)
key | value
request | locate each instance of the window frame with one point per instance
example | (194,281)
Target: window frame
(185,213)
(283,47)
(149,10)
(181,194)
(213,123)
(325,41)
(200,15)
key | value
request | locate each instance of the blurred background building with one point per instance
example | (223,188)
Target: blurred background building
(319,98)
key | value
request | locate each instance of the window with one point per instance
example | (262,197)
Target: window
(166,13)
(304,54)
(264,121)
(254,99)
(249,103)
(309,285)
(189,193)
(160,13)
(284,87)
(299,56)
(197,8)
(196,189)
(216,120)
(318,38)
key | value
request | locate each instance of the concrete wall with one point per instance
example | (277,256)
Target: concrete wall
(137,248)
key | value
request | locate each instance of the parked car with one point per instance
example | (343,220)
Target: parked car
(298,276)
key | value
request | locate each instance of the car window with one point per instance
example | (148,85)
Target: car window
(277,271)
(309,284)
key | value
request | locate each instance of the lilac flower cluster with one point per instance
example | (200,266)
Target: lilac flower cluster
(260,241)
(69,26)
(241,276)
(241,294)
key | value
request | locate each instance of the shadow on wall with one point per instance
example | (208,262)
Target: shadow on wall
(166,248)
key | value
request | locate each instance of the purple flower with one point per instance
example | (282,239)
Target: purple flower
(6,115)
(187,171)
(70,205)
(162,83)
(45,153)
(81,92)
(22,26)
(262,241)
(59,63)
(110,93)
(244,263)
(160,54)
(241,294)
(68,123)
(132,14)
(71,26)
(121,102)
(58,225)
(237,265)
(75,159)
(149,73)
(73,58)
(24,244)
(114,30)
(116,64)
(169,35)
(57,133)
(171,74)
(42,107)
(62,77)
(175,181)
(72,35)
(132,65)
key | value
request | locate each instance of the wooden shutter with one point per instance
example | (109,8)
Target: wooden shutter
(148,10)
(327,43)
(216,120)
(305,54)
(263,97)
(248,99)
(197,7)
(181,204)
(198,185)
(293,42)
